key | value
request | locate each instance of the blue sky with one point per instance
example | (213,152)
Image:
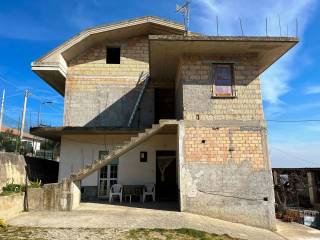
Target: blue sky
(291,87)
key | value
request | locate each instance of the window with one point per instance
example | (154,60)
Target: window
(108,175)
(113,55)
(143,156)
(223,80)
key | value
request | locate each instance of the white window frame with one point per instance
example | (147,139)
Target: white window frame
(107,179)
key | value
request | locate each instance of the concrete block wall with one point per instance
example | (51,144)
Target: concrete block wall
(224,167)
(100,94)
(196,83)
(228,176)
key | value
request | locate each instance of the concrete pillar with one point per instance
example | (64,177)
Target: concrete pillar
(312,188)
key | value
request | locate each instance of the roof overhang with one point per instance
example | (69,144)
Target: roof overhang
(53,73)
(52,67)
(55,133)
(165,50)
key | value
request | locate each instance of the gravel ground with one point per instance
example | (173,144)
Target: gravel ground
(23,233)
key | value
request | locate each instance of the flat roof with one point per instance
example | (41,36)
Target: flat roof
(165,50)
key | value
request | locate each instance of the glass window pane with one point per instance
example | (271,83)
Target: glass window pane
(113,171)
(104,172)
(223,80)
(220,90)
(103,188)
(112,182)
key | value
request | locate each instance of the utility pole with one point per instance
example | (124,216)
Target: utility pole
(185,10)
(2,106)
(26,94)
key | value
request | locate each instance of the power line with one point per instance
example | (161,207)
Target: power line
(8,82)
(294,156)
(293,121)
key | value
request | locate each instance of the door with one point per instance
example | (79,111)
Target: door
(108,175)
(166,176)
(164,104)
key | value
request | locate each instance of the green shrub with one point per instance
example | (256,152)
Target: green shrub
(35,184)
(12,188)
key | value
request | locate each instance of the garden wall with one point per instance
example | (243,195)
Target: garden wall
(64,196)
(11,206)
(12,168)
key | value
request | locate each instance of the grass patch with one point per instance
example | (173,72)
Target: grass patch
(175,234)
(19,233)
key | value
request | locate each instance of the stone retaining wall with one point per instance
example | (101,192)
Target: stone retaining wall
(12,169)
(11,206)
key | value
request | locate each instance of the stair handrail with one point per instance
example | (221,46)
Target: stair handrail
(144,77)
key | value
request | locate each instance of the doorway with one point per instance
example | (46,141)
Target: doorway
(166,176)
(164,104)
(108,175)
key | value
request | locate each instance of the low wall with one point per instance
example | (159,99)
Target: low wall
(36,199)
(11,206)
(12,168)
(63,196)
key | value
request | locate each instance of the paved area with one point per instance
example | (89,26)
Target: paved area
(92,215)
(295,231)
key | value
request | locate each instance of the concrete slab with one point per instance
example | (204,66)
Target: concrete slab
(295,231)
(93,215)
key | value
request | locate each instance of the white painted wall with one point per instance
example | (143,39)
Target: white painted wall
(76,150)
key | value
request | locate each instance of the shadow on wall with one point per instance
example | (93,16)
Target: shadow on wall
(112,105)
(118,113)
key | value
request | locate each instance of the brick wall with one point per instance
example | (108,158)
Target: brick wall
(196,76)
(224,144)
(100,94)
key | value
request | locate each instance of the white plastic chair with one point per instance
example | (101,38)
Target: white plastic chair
(149,190)
(116,190)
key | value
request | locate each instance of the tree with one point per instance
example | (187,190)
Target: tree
(9,142)
(288,188)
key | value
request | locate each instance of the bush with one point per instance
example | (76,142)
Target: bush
(12,188)
(35,184)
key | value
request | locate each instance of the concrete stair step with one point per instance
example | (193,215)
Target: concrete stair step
(121,149)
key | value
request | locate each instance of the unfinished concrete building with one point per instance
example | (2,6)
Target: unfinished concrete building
(146,103)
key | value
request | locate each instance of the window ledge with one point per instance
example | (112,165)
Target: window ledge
(223,97)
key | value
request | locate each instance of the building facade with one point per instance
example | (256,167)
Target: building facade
(147,103)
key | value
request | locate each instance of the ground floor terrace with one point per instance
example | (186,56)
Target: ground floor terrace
(104,221)
(216,169)
(153,162)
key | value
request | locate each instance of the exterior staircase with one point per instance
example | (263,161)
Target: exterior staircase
(120,150)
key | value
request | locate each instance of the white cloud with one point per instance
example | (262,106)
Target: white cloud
(276,79)
(313,89)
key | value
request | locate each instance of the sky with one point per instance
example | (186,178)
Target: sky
(291,87)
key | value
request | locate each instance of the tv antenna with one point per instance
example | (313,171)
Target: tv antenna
(185,10)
